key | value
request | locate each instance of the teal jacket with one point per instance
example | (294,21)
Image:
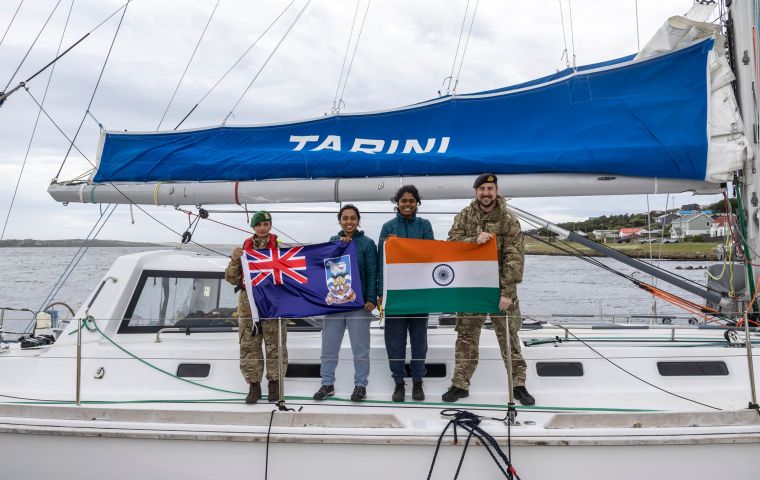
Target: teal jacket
(402,227)
(367,253)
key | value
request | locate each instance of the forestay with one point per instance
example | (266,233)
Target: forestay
(650,117)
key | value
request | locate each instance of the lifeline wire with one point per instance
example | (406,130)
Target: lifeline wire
(11,24)
(36,122)
(95,90)
(255,77)
(187,66)
(31,46)
(240,58)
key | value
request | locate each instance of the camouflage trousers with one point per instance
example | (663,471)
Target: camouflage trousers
(468,338)
(252,358)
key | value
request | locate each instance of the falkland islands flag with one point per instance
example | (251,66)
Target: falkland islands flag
(427,276)
(302,281)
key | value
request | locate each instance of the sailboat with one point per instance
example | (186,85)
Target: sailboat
(139,387)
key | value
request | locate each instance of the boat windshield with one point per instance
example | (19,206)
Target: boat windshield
(180,299)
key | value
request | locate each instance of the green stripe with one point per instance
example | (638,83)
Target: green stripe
(430,300)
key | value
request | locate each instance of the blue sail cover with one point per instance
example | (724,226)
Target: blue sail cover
(646,118)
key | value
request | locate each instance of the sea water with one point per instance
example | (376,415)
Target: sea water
(553,288)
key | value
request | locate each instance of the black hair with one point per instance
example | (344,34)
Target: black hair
(349,206)
(407,189)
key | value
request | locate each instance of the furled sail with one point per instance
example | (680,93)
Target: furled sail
(644,118)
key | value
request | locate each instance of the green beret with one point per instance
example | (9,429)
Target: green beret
(260,216)
(485,178)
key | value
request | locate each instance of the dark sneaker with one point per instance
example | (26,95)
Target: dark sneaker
(399,393)
(254,393)
(454,394)
(360,393)
(521,395)
(274,391)
(418,393)
(324,392)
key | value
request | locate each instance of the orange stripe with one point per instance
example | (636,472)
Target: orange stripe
(408,250)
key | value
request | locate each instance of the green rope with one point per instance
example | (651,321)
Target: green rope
(92,321)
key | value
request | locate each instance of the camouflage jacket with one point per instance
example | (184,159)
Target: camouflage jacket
(471,221)
(234,271)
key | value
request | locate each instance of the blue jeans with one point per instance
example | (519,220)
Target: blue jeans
(335,324)
(395,343)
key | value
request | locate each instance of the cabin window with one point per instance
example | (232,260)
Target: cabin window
(692,369)
(180,299)
(559,369)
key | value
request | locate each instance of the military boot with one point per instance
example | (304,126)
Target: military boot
(274,391)
(254,393)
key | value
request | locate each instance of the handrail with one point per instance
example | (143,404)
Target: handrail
(189,330)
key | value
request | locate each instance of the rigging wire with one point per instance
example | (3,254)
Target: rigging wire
(638,40)
(34,129)
(450,78)
(255,77)
(192,56)
(335,108)
(353,55)
(31,46)
(240,58)
(572,28)
(464,50)
(565,54)
(11,24)
(77,257)
(94,91)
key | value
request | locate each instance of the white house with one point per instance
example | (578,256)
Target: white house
(720,227)
(691,225)
(604,235)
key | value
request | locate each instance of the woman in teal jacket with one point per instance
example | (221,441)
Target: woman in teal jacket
(356,321)
(406,225)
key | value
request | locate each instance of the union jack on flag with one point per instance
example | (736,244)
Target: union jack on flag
(275,264)
(293,282)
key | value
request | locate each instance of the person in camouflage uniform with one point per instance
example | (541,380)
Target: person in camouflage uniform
(485,218)
(266,331)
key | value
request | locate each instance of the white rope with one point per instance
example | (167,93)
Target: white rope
(353,55)
(261,69)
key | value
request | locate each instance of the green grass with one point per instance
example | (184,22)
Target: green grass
(681,251)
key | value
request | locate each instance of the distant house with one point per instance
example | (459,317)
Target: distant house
(720,226)
(632,232)
(604,235)
(666,219)
(691,225)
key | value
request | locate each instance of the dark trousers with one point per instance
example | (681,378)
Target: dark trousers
(396,328)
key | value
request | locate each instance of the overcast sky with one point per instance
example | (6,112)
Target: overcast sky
(406,51)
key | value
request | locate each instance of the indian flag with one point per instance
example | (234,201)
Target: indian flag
(426,276)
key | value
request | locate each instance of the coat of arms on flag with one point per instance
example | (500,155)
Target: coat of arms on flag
(338,273)
(302,281)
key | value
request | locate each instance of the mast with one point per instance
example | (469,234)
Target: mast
(742,35)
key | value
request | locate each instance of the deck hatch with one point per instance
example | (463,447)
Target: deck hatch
(559,369)
(692,369)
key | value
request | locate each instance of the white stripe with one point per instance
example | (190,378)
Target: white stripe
(413,276)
